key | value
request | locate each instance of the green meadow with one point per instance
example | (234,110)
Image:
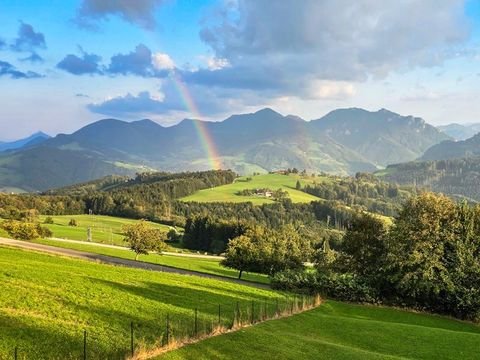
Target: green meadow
(47,302)
(228,193)
(104,229)
(343,331)
(202,265)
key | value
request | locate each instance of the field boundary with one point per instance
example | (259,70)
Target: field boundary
(293,308)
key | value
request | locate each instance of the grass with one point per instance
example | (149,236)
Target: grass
(227,193)
(105,229)
(343,331)
(209,266)
(47,302)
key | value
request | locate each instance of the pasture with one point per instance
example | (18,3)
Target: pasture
(47,302)
(337,331)
(104,229)
(228,193)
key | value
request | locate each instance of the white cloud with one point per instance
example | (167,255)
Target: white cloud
(336,90)
(162,61)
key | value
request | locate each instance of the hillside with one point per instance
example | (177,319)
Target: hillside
(343,142)
(383,137)
(454,149)
(460,131)
(45,316)
(456,177)
(31,140)
(332,332)
(231,192)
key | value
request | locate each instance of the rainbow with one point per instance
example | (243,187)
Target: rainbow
(200,126)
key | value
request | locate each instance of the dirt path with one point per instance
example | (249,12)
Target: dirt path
(120,262)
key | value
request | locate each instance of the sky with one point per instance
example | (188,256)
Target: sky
(67,63)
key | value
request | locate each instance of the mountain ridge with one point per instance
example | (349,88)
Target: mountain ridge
(261,141)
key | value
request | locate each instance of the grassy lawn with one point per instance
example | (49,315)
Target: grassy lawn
(343,331)
(105,229)
(209,266)
(47,302)
(227,193)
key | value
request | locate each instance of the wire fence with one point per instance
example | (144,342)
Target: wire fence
(138,340)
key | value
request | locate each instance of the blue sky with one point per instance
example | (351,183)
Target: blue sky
(64,64)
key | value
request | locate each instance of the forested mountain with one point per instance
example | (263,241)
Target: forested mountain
(454,149)
(343,142)
(460,131)
(31,140)
(456,177)
(383,137)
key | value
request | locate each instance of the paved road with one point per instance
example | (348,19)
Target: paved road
(120,262)
(117,247)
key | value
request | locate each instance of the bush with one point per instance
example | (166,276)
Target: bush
(25,231)
(48,220)
(343,287)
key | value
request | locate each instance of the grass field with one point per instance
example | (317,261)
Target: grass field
(227,193)
(47,302)
(105,229)
(209,266)
(343,331)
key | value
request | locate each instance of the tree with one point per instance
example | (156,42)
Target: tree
(241,255)
(143,238)
(421,242)
(364,246)
(25,231)
(267,251)
(298,186)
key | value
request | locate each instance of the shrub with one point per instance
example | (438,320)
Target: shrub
(345,287)
(48,220)
(25,231)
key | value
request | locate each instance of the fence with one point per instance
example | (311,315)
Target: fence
(141,340)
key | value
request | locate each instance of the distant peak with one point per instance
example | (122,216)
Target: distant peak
(146,122)
(40,134)
(267,111)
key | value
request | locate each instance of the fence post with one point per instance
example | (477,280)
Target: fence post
(276,309)
(219,316)
(132,350)
(253,312)
(238,313)
(84,345)
(196,322)
(265,313)
(168,329)
(16,353)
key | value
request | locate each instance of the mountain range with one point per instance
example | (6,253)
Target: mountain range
(342,142)
(460,131)
(31,140)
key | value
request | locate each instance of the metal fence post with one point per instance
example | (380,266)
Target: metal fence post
(132,350)
(16,353)
(84,344)
(196,322)
(168,329)
(253,312)
(219,315)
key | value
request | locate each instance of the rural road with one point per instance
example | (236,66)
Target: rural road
(117,247)
(120,262)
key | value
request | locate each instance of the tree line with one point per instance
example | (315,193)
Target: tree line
(429,259)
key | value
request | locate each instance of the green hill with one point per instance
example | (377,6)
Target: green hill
(229,193)
(47,302)
(343,331)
